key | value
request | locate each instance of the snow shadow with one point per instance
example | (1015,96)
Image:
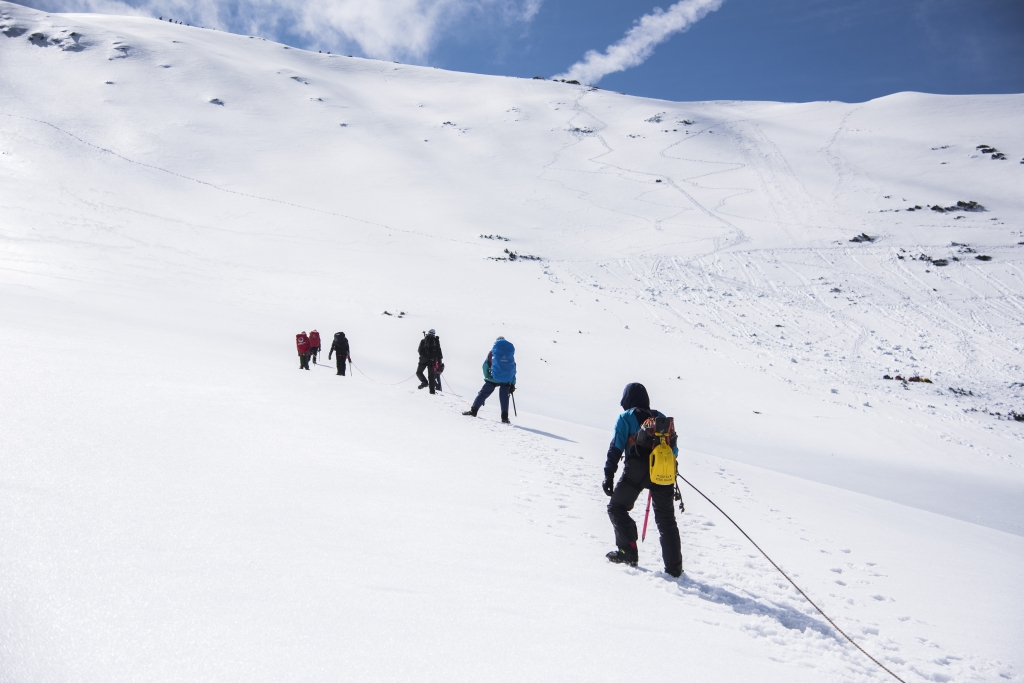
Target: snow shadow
(547,434)
(787,616)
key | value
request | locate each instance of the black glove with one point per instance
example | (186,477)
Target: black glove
(512,389)
(609,485)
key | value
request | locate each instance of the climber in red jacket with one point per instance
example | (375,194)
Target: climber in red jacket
(302,344)
(314,345)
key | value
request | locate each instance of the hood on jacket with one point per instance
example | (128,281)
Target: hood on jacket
(635,396)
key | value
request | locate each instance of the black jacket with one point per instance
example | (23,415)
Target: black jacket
(430,349)
(339,346)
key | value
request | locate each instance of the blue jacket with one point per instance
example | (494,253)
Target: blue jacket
(626,426)
(500,366)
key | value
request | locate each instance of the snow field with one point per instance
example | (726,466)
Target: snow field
(180,504)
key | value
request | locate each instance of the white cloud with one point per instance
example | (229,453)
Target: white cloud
(530,9)
(639,42)
(385,29)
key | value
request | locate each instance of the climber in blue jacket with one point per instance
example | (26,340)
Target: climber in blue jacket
(499,373)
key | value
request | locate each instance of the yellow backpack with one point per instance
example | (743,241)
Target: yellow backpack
(657,436)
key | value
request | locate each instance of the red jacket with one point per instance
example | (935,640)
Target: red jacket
(314,339)
(302,343)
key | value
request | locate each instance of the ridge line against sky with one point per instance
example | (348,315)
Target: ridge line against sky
(380,29)
(393,29)
(786,50)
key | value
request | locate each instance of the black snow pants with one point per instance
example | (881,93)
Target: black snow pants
(431,380)
(303,361)
(341,364)
(314,351)
(635,478)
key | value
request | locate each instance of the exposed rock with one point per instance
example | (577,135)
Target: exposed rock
(513,256)
(960,206)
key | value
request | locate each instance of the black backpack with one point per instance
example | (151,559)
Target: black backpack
(655,441)
(432,346)
(643,441)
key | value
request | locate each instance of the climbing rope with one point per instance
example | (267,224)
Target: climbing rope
(395,384)
(452,390)
(827,618)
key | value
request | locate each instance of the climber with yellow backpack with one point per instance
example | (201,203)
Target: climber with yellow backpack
(647,440)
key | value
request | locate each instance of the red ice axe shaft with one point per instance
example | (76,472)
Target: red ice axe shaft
(646,516)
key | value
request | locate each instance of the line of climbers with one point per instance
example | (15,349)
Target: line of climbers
(308,346)
(644,439)
(499,368)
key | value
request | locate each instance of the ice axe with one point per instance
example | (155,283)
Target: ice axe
(646,516)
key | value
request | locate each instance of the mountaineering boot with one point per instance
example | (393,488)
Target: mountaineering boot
(423,385)
(504,418)
(675,572)
(471,411)
(628,556)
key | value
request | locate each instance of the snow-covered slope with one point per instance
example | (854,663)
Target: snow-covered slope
(180,503)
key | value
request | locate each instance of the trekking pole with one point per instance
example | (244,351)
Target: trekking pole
(514,411)
(646,515)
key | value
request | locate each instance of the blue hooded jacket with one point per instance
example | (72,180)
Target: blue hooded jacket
(500,366)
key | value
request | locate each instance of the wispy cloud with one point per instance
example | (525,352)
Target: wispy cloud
(639,42)
(385,29)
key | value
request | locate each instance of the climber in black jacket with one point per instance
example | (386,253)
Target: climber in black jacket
(340,347)
(430,360)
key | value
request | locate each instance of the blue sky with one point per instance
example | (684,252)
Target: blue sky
(791,50)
